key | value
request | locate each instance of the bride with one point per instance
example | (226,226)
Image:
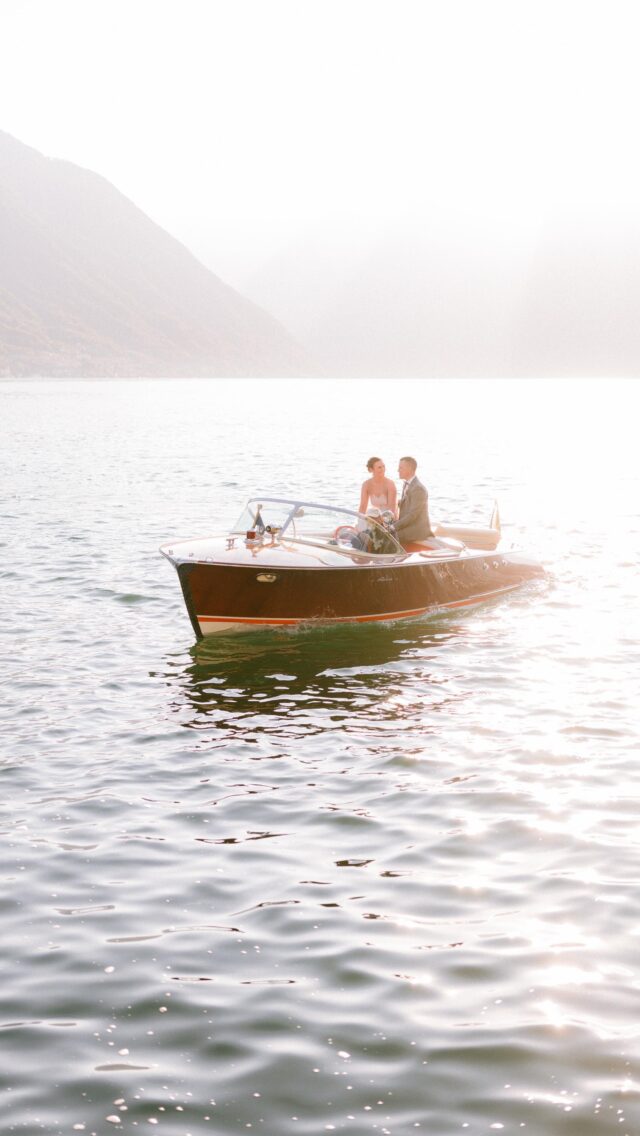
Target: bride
(378,491)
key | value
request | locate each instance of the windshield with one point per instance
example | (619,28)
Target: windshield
(318,524)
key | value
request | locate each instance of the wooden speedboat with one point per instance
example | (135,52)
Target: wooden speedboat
(287,563)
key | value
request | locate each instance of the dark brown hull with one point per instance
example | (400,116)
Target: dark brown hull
(224,596)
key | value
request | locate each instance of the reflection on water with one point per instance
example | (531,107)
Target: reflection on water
(317,668)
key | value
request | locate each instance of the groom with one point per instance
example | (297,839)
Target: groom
(413,521)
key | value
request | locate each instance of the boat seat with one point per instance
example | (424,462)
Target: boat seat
(484,538)
(435,546)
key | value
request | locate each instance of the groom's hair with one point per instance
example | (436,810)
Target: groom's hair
(410,461)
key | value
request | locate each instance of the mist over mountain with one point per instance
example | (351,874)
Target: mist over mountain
(562,299)
(90,286)
(579,312)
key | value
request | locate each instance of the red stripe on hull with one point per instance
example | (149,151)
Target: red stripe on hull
(384,616)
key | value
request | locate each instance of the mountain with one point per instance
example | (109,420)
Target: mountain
(91,286)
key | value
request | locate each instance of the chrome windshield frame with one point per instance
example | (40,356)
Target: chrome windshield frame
(258,500)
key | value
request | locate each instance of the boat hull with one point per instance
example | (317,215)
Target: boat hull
(232,597)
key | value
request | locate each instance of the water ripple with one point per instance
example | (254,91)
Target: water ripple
(377,880)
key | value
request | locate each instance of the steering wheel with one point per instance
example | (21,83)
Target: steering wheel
(345,532)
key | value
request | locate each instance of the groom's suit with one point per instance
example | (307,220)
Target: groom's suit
(413,521)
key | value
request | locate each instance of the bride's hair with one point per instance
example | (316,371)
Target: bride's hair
(371,463)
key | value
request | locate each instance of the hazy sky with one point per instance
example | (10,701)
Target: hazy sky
(241,124)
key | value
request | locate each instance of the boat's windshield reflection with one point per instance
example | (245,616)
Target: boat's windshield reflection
(311,523)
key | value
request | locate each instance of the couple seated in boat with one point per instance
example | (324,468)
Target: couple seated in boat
(410,515)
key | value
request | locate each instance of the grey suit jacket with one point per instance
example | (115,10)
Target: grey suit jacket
(413,522)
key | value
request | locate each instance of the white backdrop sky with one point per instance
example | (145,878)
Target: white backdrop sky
(239,124)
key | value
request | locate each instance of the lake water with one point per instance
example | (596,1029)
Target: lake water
(366,881)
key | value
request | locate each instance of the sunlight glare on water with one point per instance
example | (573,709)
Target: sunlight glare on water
(363,880)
